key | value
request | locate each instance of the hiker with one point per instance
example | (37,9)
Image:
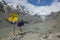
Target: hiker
(20,24)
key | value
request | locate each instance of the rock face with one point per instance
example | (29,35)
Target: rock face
(53,16)
(1,7)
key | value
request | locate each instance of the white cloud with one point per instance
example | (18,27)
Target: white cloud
(55,6)
(43,10)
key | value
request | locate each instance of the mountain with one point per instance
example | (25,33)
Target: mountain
(54,16)
(1,7)
(38,17)
(23,12)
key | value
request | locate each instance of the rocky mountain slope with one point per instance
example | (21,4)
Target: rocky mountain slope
(54,16)
(23,14)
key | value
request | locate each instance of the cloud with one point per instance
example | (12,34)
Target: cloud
(43,10)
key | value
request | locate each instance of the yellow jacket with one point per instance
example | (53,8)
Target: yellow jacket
(11,19)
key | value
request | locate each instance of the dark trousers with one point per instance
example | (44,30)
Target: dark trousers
(20,29)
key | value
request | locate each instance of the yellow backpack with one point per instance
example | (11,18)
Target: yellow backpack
(13,17)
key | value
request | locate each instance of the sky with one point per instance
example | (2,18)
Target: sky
(42,7)
(40,2)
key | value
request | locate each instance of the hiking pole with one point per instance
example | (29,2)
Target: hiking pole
(14,28)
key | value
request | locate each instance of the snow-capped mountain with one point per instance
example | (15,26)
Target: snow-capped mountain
(23,12)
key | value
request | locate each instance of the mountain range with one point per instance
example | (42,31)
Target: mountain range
(24,13)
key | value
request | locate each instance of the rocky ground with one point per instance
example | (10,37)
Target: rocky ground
(49,30)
